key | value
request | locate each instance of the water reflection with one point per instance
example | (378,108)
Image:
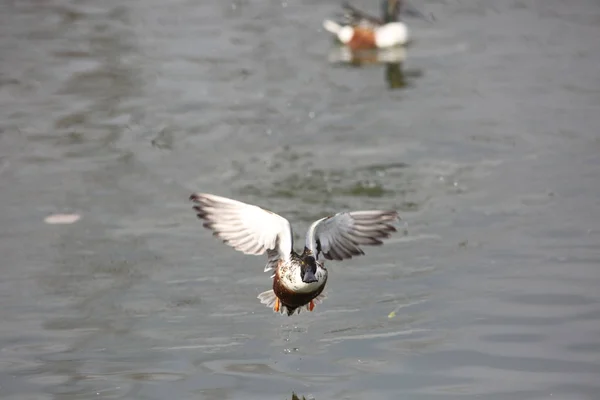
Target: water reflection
(392,59)
(114,110)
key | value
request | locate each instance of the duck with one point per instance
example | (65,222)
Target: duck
(298,279)
(361,31)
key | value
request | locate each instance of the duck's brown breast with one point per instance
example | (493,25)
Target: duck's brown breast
(363,38)
(293,299)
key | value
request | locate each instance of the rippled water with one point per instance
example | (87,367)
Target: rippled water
(116,111)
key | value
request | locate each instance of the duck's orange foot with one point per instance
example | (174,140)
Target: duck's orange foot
(311,306)
(277,305)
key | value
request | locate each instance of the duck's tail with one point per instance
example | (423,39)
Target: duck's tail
(331,26)
(268,298)
(271,300)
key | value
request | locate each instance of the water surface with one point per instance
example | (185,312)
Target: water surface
(117,111)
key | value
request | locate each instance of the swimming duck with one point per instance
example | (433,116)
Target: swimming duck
(361,31)
(298,279)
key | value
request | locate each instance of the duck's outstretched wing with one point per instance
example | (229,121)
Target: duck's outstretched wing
(341,236)
(246,228)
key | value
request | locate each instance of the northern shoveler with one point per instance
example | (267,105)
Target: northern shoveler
(299,279)
(361,31)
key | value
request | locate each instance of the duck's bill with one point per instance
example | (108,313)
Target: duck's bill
(309,277)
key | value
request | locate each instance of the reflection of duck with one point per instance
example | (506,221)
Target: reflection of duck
(394,75)
(393,58)
(299,279)
(344,54)
(362,31)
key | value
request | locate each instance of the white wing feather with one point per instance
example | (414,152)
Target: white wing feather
(340,236)
(246,228)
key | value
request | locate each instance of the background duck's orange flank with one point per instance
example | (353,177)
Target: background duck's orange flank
(362,39)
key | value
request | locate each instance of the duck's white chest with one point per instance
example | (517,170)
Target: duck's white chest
(290,278)
(392,34)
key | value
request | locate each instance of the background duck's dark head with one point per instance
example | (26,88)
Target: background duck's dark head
(390,10)
(308,269)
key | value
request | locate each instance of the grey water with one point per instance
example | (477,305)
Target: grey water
(118,110)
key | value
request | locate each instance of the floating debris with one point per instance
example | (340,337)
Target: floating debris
(63,219)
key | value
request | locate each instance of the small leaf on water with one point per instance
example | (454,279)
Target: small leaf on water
(55,219)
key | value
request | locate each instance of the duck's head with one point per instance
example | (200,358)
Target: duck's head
(390,10)
(308,269)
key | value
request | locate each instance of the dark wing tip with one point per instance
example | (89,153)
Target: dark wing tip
(200,207)
(201,199)
(200,212)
